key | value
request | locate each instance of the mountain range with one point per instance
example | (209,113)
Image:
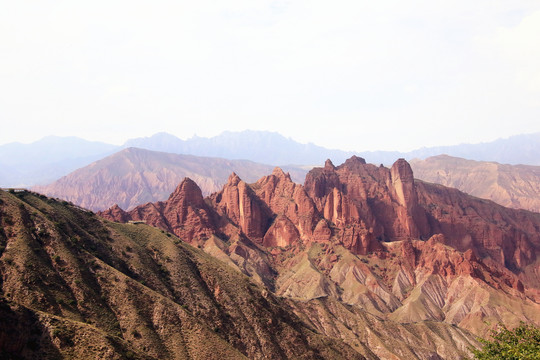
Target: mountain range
(275,149)
(49,159)
(371,239)
(135,176)
(361,261)
(516,186)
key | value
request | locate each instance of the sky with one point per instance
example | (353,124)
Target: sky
(354,75)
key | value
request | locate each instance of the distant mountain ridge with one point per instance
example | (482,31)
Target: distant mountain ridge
(46,160)
(518,149)
(53,157)
(273,148)
(260,146)
(135,176)
(516,186)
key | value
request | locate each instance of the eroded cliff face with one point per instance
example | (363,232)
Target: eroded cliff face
(373,238)
(510,238)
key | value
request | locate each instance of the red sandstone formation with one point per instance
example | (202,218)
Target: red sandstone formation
(357,205)
(185,213)
(238,202)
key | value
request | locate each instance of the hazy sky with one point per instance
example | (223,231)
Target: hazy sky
(356,75)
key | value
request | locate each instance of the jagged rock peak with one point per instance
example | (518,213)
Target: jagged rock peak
(278,172)
(115,213)
(354,161)
(187,190)
(187,184)
(401,169)
(329,165)
(233,179)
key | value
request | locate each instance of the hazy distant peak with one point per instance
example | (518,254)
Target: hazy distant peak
(160,136)
(260,146)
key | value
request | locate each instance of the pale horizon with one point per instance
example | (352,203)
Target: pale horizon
(355,76)
(288,137)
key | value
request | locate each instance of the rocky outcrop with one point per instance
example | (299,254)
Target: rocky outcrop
(115,213)
(237,201)
(282,233)
(507,236)
(368,203)
(185,213)
(288,199)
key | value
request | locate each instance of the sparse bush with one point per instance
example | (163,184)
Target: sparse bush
(521,343)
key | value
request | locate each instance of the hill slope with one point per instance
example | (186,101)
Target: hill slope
(516,186)
(75,286)
(136,176)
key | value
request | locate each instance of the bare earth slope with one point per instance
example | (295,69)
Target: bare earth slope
(515,186)
(135,176)
(396,268)
(77,287)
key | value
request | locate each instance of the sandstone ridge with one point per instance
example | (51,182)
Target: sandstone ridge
(375,238)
